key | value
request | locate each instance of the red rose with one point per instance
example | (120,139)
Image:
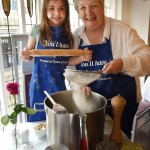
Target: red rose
(13,88)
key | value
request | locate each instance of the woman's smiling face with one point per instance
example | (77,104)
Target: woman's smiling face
(91,13)
(56,12)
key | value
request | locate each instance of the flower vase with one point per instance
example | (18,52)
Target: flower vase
(14,137)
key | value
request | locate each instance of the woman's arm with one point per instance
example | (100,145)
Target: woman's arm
(76,60)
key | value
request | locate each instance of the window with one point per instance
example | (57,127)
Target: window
(12,19)
(110,8)
(29,21)
(73,16)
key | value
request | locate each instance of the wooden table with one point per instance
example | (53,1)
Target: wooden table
(108,129)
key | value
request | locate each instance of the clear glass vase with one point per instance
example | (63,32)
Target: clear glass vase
(15,142)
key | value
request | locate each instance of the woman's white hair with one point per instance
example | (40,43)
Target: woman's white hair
(76,4)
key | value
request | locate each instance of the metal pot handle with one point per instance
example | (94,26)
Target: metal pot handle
(38,104)
(42,110)
(109,102)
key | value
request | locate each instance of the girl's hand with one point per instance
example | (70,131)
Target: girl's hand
(25,55)
(115,66)
(88,56)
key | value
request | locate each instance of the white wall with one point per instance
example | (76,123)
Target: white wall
(139,19)
(118,9)
(126,11)
(140,14)
(136,13)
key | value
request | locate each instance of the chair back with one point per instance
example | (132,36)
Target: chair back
(21,68)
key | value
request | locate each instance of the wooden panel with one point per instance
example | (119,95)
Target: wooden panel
(27,83)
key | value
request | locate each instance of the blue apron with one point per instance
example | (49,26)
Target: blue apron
(111,85)
(47,73)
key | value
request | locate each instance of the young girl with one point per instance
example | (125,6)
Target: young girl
(52,33)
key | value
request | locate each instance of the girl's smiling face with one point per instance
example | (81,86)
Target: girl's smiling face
(56,12)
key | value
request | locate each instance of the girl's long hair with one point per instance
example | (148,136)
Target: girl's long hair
(45,33)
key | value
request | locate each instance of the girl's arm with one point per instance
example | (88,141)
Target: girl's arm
(24,53)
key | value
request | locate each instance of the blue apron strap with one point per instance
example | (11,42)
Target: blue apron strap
(81,41)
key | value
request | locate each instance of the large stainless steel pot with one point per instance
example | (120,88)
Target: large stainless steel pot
(65,128)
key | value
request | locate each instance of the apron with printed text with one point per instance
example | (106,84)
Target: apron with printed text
(111,85)
(47,73)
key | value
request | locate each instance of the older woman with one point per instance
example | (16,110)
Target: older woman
(117,50)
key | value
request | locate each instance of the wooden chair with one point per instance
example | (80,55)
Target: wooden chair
(141,125)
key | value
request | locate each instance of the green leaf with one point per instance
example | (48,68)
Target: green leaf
(18,108)
(13,115)
(24,109)
(13,121)
(31,111)
(5,120)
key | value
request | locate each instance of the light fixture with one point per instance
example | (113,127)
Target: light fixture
(30,8)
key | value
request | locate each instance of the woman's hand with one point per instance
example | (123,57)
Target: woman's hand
(72,61)
(88,56)
(25,55)
(86,91)
(113,67)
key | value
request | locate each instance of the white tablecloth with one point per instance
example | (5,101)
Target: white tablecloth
(38,144)
(146,90)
